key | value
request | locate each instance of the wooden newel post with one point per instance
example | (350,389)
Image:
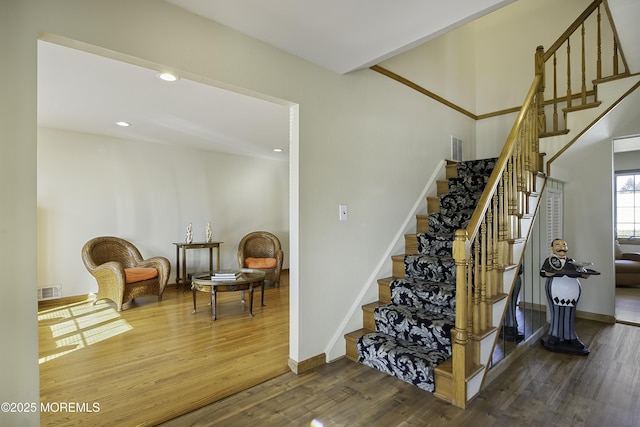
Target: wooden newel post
(539,64)
(460,334)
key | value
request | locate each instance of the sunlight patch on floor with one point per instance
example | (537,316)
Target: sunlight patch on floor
(80,325)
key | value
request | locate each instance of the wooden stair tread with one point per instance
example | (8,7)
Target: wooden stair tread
(385,280)
(582,106)
(371,306)
(352,336)
(433,204)
(610,78)
(442,187)
(487,332)
(422,223)
(445,385)
(554,133)
(445,369)
(350,339)
(410,244)
(494,299)
(451,169)
(516,240)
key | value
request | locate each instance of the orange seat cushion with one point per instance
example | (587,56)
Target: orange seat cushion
(260,262)
(138,274)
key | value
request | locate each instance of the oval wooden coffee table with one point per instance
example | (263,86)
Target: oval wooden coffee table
(249,279)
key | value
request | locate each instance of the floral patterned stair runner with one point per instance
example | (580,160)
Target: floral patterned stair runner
(413,331)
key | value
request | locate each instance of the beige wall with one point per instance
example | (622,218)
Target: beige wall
(507,40)
(18,307)
(487,65)
(588,221)
(587,167)
(361,139)
(445,65)
(500,48)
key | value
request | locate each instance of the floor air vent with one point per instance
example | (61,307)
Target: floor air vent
(49,292)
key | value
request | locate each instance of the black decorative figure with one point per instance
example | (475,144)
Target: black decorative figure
(563,293)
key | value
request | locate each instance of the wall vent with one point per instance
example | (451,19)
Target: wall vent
(456,149)
(49,292)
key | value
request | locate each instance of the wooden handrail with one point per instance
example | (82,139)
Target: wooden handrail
(501,163)
(616,40)
(572,29)
(576,50)
(481,250)
(590,125)
(422,90)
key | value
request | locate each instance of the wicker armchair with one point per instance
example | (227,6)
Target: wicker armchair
(121,272)
(261,250)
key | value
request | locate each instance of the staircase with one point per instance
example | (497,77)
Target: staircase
(435,324)
(465,253)
(407,333)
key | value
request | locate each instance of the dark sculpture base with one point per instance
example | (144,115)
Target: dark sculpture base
(575,347)
(510,333)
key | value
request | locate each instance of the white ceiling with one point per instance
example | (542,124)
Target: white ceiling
(342,35)
(87,93)
(84,92)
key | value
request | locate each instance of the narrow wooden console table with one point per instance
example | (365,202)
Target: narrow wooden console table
(181,268)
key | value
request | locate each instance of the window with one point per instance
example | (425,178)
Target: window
(628,204)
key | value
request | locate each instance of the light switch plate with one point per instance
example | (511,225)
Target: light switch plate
(343,212)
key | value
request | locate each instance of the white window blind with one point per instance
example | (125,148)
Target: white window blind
(554,215)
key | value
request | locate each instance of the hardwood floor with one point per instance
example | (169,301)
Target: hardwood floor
(155,361)
(156,364)
(628,305)
(543,389)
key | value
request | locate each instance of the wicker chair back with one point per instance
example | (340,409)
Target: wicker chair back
(262,244)
(107,257)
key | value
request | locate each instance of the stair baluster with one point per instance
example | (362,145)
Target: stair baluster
(443,299)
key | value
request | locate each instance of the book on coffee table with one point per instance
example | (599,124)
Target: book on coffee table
(225,275)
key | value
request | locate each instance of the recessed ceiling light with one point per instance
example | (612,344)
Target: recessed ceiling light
(123,124)
(277,150)
(167,77)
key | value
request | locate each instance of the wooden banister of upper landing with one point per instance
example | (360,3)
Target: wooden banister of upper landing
(572,29)
(588,51)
